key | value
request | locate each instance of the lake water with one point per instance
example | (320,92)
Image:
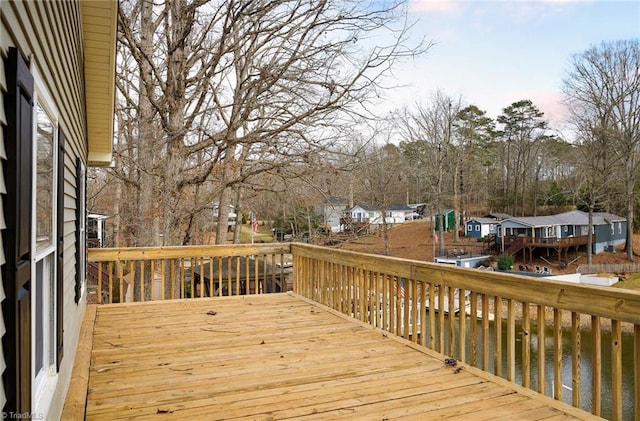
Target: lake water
(586,363)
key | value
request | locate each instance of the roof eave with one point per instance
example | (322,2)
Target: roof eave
(99,26)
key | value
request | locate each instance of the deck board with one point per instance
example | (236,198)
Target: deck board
(279,356)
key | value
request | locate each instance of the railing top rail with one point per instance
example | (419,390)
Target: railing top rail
(618,304)
(175,252)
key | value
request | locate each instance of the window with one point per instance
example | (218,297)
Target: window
(44,194)
(565,228)
(43,241)
(613,231)
(478,227)
(619,227)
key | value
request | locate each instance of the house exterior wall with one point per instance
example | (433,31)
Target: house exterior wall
(449,221)
(3,226)
(360,214)
(612,234)
(49,34)
(473,229)
(332,215)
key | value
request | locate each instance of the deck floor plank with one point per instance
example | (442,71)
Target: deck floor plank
(279,356)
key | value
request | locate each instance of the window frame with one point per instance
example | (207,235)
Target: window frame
(44,381)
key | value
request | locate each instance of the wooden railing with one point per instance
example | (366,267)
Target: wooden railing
(514,240)
(549,336)
(487,317)
(160,273)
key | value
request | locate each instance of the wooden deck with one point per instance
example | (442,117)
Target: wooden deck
(275,356)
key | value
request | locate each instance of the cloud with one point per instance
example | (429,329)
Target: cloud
(419,6)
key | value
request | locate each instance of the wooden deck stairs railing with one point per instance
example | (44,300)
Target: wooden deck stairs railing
(515,244)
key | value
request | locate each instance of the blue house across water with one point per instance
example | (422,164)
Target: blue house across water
(561,232)
(481,227)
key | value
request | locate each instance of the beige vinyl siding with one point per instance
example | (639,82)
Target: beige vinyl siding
(50,34)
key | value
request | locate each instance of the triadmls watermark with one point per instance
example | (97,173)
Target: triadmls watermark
(22,416)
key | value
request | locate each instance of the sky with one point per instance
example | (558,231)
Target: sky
(494,53)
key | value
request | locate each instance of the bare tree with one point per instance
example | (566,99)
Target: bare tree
(431,127)
(603,86)
(382,180)
(219,92)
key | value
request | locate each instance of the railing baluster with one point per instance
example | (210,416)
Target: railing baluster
(378,301)
(274,276)
(414,310)
(238,272)
(362,294)
(230,274)
(423,313)
(432,317)
(283,281)
(485,332)
(557,354)
(473,321)
(462,316)
(110,267)
(370,297)
(173,279)
(497,320)
(406,290)
(616,370)
(441,344)
(333,278)
(192,277)
(398,307)
(386,303)
(511,340)
(120,280)
(142,280)
(99,283)
(152,274)
(182,275)
(211,290)
(256,274)
(576,362)
(162,287)
(541,356)
(452,319)
(596,366)
(220,276)
(526,345)
(636,370)
(132,276)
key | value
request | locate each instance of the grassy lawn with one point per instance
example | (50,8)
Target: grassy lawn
(631,281)
(263,235)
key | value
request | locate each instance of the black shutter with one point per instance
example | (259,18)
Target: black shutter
(16,272)
(81,261)
(60,252)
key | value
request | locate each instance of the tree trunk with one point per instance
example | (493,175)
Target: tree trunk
(385,233)
(590,239)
